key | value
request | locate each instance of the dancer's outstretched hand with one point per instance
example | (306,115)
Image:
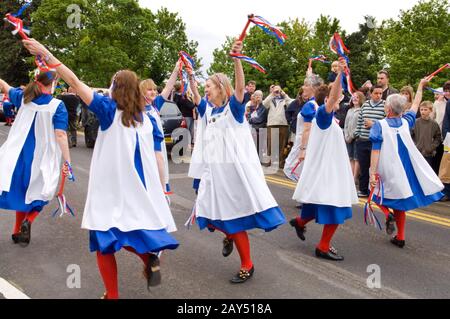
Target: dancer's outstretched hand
(237,47)
(36,48)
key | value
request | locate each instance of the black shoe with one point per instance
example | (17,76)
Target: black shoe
(333,250)
(390,227)
(25,233)
(300,230)
(15,238)
(397,242)
(445,199)
(362,194)
(328,255)
(227,247)
(152,271)
(242,276)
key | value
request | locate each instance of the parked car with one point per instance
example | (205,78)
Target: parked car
(171,119)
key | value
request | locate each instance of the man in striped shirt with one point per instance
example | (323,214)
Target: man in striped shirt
(371,111)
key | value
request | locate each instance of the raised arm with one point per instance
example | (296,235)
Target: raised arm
(194,88)
(4,87)
(83,91)
(419,94)
(171,82)
(239,73)
(336,89)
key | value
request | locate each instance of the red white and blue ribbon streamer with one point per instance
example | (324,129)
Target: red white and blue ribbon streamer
(187,60)
(434,91)
(369,216)
(22,9)
(320,58)
(188,63)
(14,19)
(250,61)
(337,46)
(192,218)
(63,206)
(269,28)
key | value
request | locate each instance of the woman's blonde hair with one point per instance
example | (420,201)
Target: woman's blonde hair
(410,91)
(146,85)
(224,84)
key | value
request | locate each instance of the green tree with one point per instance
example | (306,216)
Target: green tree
(418,43)
(14,67)
(113,35)
(285,64)
(365,56)
(323,30)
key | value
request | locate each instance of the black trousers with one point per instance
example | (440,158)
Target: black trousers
(363,151)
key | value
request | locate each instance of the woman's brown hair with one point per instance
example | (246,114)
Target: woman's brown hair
(126,93)
(34,89)
(322,93)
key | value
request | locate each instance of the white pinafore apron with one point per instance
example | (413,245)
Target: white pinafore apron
(327,177)
(291,169)
(116,196)
(391,170)
(232,182)
(45,169)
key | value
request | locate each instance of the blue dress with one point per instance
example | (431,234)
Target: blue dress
(15,198)
(267,220)
(419,199)
(325,214)
(112,240)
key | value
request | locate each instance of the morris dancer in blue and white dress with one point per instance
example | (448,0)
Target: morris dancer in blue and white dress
(294,162)
(326,185)
(408,180)
(233,196)
(154,103)
(125,205)
(30,159)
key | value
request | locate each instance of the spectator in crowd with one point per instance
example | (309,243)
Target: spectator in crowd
(351,122)
(439,107)
(71,101)
(444,170)
(438,116)
(276,104)
(333,73)
(371,111)
(250,88)
(186,106)
(426,133)
(250,107)
(292,111)
(383,80)
(365,89)
(408,93)
(258,115)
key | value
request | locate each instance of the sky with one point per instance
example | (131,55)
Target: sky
(209,22)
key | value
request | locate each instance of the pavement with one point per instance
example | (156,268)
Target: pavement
(58,265)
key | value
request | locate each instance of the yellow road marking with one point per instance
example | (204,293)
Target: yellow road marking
(417,215)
